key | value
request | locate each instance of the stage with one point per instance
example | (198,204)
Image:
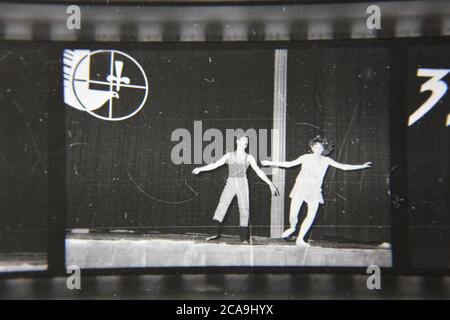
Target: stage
(15,262)
(106,250)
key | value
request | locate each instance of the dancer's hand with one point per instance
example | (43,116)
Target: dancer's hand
(266,163)
(196,171)
(274,190)
(367,165)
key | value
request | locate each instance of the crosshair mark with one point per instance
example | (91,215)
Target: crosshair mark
(108,83)
(79,94)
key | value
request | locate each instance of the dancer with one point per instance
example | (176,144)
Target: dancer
(308,185)
(237,185)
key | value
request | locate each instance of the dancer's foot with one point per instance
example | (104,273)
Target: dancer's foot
(301,243)
(214,237)
(244,235)
(290,239)
(288,232)
(216,230)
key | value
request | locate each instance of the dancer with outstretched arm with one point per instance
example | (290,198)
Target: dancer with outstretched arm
(237,185)
(308,185)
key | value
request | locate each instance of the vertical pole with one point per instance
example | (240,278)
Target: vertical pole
(279,141)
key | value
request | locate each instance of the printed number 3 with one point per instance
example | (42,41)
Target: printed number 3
(438,89)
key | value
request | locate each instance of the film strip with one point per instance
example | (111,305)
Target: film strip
(116,201)
(191,23)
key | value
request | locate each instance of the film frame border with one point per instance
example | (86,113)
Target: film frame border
(56,256)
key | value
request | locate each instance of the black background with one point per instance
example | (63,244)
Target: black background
(343,94)
(29,84)
(428,164)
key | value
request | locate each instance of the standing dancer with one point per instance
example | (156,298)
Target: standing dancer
(237,185)
(308,185)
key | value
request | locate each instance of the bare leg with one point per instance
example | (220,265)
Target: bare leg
(306,224)
(296,205)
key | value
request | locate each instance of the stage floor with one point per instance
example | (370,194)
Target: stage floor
(15,262)
(93,250)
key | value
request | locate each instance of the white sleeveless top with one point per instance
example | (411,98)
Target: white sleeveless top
(313,170)
(308,185)
(237,168)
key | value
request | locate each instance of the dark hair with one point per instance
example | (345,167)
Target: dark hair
(240,136)
(327,145)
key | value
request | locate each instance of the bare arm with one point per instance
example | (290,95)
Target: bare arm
(347,167)
(213,165)
(261,174)
(283,164)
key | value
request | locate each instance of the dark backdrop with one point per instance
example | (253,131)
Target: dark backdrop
(28,85)
(343,94)
(120,174)
(339,92)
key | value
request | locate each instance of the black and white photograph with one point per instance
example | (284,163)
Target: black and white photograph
(224,150)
